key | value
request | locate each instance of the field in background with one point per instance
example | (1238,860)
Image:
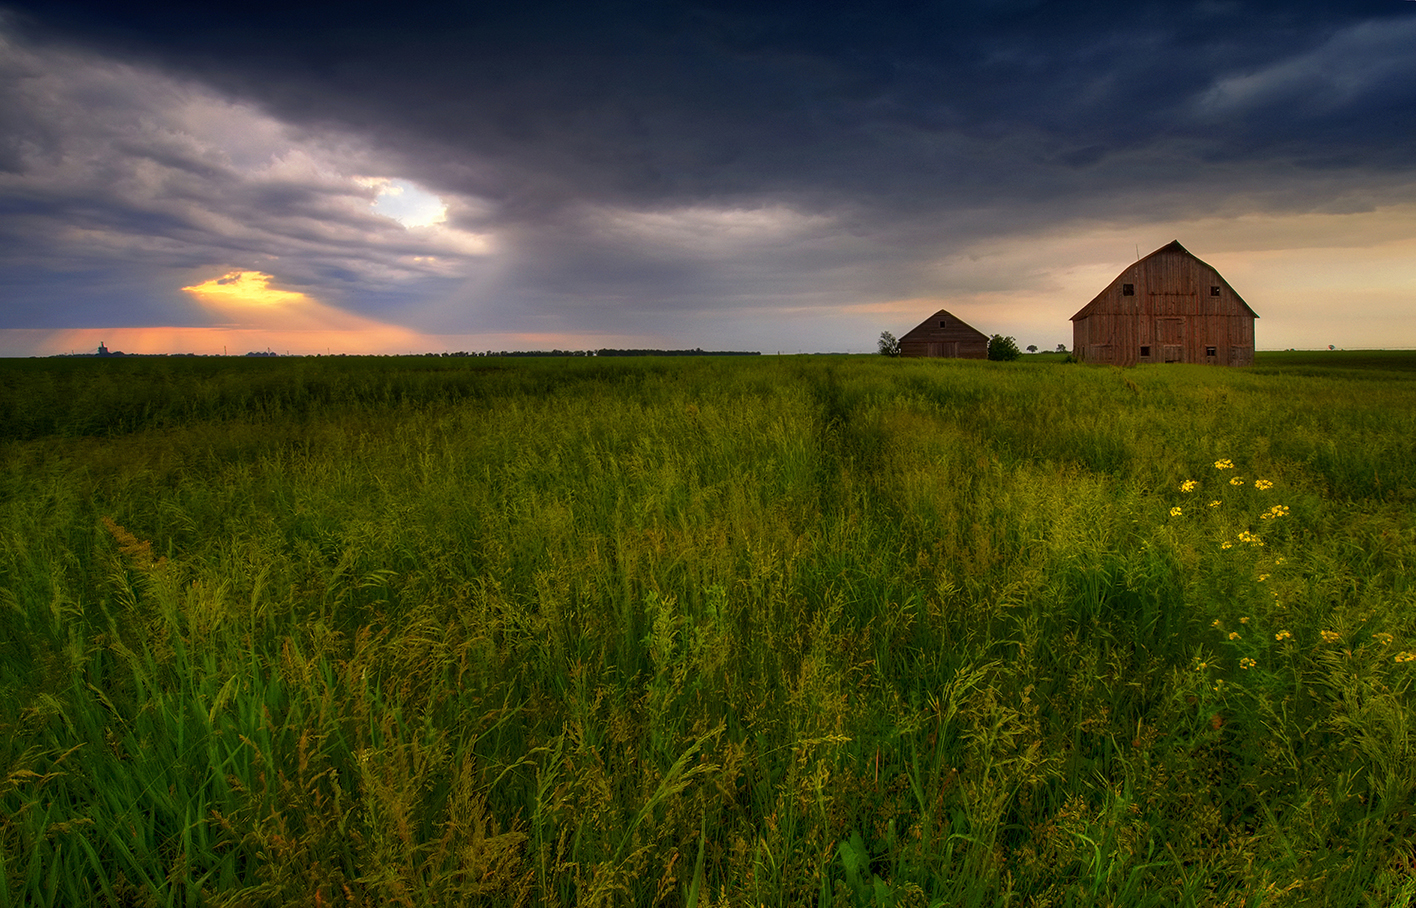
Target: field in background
(796,630)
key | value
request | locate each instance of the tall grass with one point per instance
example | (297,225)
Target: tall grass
(830,631)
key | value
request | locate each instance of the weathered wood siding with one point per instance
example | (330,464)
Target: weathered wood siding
(1178,310)
(944,335)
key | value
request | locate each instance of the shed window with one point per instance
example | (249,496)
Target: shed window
(1210,351)
(943,323)
(1214,290)
(1128,289)
(1145,351)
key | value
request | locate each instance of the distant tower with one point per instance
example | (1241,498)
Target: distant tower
(102,350)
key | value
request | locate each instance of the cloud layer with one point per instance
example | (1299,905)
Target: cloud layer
(702,174)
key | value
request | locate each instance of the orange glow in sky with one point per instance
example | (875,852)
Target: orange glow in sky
(256,315)
(244,288)
(253,316)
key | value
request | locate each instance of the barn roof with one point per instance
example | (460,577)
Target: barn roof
(1172,247)
(958,324)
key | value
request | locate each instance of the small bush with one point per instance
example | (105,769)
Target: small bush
(1003,349)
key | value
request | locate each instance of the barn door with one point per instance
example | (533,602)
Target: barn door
(1171,334)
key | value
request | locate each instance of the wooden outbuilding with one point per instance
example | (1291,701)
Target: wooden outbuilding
(1169,307)
(946,335)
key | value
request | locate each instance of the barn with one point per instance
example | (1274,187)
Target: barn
(1169,307)
(943,334)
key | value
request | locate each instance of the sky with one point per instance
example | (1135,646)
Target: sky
(779,177)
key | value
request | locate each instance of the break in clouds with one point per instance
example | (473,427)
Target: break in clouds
(772,177)
(124,184)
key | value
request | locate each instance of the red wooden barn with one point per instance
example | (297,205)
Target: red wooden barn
(943,334)
(1169,307)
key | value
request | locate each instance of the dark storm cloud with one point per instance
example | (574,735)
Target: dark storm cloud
(892,105)
(860,143)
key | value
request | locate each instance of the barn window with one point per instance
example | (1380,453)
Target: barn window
(1214,290)
(1145,351)
(1128,289)
(1210,351)
(943,323)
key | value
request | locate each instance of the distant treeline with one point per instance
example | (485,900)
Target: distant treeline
(695,352)
(606,351)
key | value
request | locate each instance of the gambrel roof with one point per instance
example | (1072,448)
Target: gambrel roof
(1138,267)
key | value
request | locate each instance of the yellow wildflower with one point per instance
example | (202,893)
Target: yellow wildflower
(1383,638)
(1225,464)
(1263,577)
(1405,657)
(1174,512)
(1263,485)
(1226,544)
(1282,635)
(1331,636)
(1237,481)
(1244,620)
(1188,485)
(1214,504)
(1214,623)
(1247,663)
(1234,635)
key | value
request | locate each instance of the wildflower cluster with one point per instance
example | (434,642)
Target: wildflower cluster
(1331,636)
(1190,485)
(1405,657)
(1245,662)
(1282,636)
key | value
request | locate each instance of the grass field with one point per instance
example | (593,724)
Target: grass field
(761,631)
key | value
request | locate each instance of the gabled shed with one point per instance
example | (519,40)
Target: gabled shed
(1169,307)
(945,335)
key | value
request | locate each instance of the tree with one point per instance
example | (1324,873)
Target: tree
(1032,348)
(1061,348)
(889,346)
(1003,349)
